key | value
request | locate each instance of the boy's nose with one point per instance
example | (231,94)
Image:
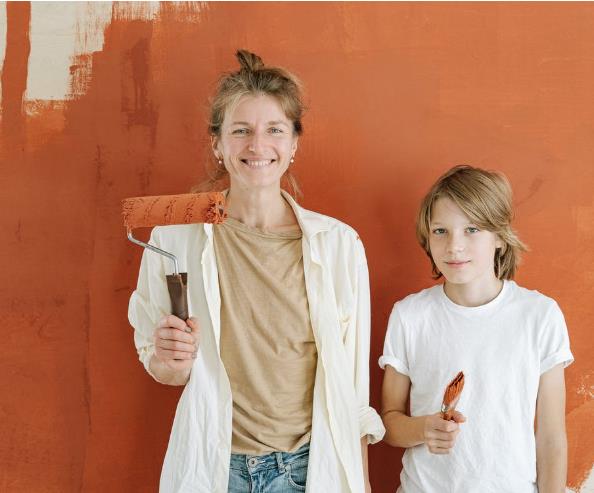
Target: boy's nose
(455,243)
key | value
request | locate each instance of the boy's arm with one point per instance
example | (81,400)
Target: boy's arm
(406,431)
(401,429)
(551,440)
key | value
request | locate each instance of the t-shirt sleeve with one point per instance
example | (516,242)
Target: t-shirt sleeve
(554,341)
(395,344)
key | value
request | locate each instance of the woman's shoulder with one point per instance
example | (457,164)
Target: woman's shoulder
(316,222)
(178,233)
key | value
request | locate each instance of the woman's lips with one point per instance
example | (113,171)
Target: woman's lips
(258,163)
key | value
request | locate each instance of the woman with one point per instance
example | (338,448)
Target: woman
(275,358)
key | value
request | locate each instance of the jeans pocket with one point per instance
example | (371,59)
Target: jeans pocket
(297,474)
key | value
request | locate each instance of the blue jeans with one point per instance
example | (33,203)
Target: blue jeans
(278,472)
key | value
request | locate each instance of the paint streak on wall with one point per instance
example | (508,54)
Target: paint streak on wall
(14,70)
(2,39)
(396,94)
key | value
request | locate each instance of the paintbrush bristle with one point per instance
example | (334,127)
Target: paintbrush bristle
(453,390)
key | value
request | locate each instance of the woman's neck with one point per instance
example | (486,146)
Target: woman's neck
(265,209)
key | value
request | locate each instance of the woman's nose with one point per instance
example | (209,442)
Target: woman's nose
(255,143)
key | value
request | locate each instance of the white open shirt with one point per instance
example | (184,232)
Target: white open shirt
(337,284)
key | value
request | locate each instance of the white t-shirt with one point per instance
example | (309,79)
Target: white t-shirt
(503,348)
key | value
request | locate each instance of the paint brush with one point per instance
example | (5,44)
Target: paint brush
(451,396)
(164,210)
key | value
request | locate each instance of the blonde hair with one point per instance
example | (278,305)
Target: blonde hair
(254,78)
(486,198)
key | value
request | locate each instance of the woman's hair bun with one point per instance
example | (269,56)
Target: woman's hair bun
(249,61)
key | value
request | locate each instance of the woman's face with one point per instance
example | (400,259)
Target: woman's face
(257,143)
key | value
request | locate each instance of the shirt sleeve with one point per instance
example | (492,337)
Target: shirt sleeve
(370,423)
(149,302)
(554,341)
(395,345)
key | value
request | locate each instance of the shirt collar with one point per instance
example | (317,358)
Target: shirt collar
(311,223)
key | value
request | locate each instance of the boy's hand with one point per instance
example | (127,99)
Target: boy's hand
(439,434)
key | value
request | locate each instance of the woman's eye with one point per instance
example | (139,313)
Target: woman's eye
(439,231)
(472,229)
(276,130)
(240,131)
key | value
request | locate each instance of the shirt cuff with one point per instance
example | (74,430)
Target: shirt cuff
(394,362)
(144,355)
(563,356)
(371,425)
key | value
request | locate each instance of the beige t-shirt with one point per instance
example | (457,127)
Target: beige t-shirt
(267,343)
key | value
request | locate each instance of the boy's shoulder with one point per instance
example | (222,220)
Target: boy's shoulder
(530,298)
(422,300)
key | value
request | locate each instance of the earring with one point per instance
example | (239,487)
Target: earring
(292,160)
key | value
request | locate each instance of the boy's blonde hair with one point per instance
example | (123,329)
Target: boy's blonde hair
(486,198)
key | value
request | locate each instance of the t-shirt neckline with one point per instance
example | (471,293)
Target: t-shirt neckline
(475,310)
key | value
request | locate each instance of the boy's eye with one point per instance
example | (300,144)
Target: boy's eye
(472,229)
(439,231)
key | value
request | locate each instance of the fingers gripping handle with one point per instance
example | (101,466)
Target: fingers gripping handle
(177,284)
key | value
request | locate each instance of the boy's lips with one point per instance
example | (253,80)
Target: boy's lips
(456,263)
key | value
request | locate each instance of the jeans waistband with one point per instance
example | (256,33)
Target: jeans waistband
(274,460)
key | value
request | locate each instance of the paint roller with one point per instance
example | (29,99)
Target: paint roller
(164,210)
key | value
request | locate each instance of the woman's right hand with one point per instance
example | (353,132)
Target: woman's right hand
(439,434)
(176,343)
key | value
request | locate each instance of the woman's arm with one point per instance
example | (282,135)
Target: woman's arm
(405,431)
(357,346)
(551,440)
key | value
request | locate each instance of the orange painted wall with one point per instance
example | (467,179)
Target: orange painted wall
(397,93)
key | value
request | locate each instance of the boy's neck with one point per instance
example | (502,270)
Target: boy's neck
(473,295)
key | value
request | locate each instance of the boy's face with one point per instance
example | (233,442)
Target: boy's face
(462,252)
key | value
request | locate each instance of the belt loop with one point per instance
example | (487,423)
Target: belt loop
(279,461)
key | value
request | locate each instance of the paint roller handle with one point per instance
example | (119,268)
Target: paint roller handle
(177,285)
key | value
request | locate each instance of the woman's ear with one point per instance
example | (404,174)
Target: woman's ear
(294,146)
(214,144)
